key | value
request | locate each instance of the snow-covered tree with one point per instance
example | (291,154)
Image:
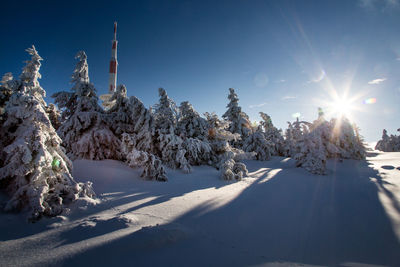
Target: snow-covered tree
(143,127)
(30,75)
(54,115)
(239,121)
(119,115)
(223,156)
(293,134)
(153,168)
(257,142)
(311,144)
(172,152)
(231,170)
(66,102)
(85,133)
(198,152)
(389,143)
(346,139)
(7,85)
(273,135)
(34,168)
(165,113)
(5,92)
(169,146)
(384,142)
(311,153)
(219,137)
(190,123)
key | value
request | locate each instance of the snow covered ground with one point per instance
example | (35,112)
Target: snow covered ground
(280,215)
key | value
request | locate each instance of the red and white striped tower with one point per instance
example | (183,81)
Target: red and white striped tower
(112,83)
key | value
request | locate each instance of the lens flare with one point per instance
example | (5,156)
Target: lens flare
(370,101)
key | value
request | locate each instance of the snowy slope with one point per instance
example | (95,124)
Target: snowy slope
(280,215)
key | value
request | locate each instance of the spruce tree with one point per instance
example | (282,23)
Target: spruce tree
(223,156)
(143,127)
(165,113)
(54,116)
(239,121)
(34,169)
(5,92)
(272,134)
(119,115)
(85,132)
(190,124)
(169,146)
(292,135)
(257,142)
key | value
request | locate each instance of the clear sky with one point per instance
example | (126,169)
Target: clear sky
(282,57)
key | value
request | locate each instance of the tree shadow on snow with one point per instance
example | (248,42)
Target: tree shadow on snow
(119,201)
(291,217)
(142,194)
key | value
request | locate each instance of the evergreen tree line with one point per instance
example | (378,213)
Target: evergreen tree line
(38,141)
(389,143)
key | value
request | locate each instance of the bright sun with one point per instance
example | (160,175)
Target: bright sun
(340,104)
(342,107)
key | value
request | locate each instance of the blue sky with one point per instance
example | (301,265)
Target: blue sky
(282,57)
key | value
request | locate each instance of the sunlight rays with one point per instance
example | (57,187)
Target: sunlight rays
(345,102)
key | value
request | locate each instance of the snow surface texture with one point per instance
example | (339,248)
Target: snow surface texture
(278,216)
(34,169)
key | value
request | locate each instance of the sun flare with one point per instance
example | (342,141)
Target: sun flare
(344,102)
(342,107)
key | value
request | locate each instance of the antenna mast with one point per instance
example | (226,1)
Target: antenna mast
(112,84)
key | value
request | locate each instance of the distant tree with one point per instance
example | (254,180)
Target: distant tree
(257,142)
(165,113)
(272,135)
(293,134)
(239,121)
(389,143)
(311,144)
(190,123)
(346,138)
